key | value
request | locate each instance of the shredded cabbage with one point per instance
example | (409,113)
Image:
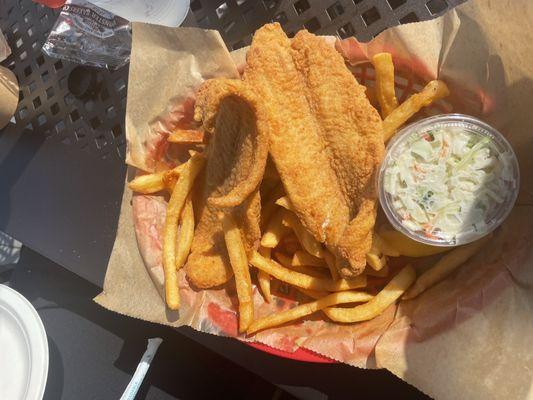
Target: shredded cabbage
(448,180)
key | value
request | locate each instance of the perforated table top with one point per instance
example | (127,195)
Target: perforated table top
(62,163)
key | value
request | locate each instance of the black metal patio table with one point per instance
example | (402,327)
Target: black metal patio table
(62,172)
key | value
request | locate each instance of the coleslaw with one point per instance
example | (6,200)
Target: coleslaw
(443,181)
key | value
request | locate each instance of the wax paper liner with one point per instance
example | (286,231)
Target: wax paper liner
(5,50)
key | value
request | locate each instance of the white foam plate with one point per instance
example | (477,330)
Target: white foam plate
(23,348)
(163,12)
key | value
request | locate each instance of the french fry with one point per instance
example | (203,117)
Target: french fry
(385,83)
(304,258)
(283,259)
(170,231)
(388,295)
(408,247)
(274,231)
(309,243)
(147,184)
(270,206)
(264,283)
(351,296)
(170,178)
(314,294)
(444,267)
(284,202)
(263,278)
(195,150)
(186,136)
(156,182)
(306,309)
(375,261)
(304,281)
(330,262)
(433,91)
(374,257)
(286,261)
(383,247)
(239,264)
(304,269)
(186,233)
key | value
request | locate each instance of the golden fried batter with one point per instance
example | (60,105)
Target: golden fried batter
(236,158)
(325,139)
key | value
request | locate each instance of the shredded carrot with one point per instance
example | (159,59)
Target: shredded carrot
(428,228)
(418,168)
(430,236)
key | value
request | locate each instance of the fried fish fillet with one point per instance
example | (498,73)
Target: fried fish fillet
(229,107)
(236,158)
(325,141)
(208,264)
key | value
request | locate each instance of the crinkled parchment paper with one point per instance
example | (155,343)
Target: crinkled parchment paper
(9,95)
(5,51)
(9,88)
(469,336)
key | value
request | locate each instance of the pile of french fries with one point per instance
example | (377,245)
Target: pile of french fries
(288,252)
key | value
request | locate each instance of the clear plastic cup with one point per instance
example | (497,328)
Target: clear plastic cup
(401,142)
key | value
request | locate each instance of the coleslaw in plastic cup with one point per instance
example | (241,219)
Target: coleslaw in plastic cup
(448,180)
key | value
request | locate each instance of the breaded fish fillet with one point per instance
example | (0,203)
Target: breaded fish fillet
(236,158)
(352,130)
(208,264)
(326,139)
(241,138)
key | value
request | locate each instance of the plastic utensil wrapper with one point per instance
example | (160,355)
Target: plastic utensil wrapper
(89,35)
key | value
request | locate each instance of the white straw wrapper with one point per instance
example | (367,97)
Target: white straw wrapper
(142,368)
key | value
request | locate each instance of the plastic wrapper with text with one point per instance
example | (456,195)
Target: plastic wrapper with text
(89,35)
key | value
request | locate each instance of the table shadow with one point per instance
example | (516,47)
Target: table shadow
(13,162)
(55,381)
(181,367)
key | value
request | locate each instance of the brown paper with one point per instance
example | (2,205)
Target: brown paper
(5,51)
(9,95)
(174,63)
(467,337)
(493,50)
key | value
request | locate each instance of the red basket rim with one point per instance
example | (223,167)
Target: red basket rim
(298,355)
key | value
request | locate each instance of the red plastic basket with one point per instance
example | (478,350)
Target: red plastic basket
(298,355)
